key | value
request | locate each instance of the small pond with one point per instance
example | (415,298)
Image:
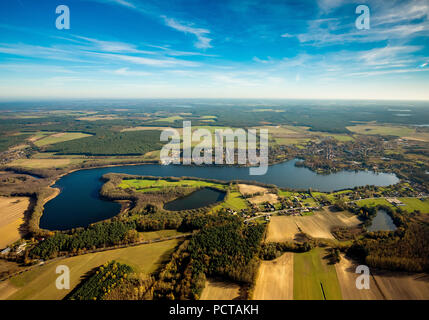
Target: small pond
(198,199)
(382,222)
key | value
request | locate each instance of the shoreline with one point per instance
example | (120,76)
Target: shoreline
(192,165)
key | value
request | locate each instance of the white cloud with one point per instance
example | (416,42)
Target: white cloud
(203,42)
(113,46)
(128,72)
(388,55)
(287,35)
(167,62)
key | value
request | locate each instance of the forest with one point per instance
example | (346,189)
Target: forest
(406,250)
(111,143)
(98,235)
(224,247)
(101,282)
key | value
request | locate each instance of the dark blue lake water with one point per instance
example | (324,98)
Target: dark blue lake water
(79,205)
(198,199)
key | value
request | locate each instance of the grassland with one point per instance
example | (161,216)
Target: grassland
(411,204)
(169,119)
(60,137)
(11,218)
(386,130)
(149,185)
(374,129)
(311,272)
(235,201)
(39,283)
(151,235)
(275,279)
(220,290)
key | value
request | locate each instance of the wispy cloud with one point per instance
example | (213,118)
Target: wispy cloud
(112,46)
(128,72)
(203,42)
(287,35)
(167,62)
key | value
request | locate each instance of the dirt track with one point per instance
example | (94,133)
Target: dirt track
(275,279)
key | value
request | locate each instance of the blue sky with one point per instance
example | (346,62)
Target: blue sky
(214,49)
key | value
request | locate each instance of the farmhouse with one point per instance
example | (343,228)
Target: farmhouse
(395,202)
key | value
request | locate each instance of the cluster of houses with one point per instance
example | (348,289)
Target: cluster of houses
(18,250)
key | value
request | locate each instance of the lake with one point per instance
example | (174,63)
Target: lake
(198,199)
(79,204)
(382,222)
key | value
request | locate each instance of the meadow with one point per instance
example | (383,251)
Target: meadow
(411,204)
(60,137)
(146,185)
(314,278)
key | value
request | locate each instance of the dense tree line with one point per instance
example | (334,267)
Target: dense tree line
(405,249)
(227,249)
(105,279)
(273,250)
(96,236)
(224,247)
(111,143)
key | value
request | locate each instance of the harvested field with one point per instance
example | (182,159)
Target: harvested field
(270,197)
(6,289)
(248,189)
(11,218)
(319,225)
(347,278)
(275,279)
(220,290)
(40,163)
(383,284)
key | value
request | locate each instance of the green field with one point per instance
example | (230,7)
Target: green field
(235,201)
(39,283)
(398,131)
(411,204)
(60,137)
(310,270)
(147,185)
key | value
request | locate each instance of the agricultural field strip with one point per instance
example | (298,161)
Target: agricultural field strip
(220,290)
(123,246)
(154,185)
(275,279)
(39,282)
